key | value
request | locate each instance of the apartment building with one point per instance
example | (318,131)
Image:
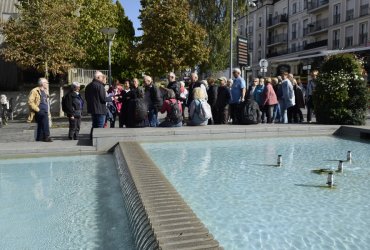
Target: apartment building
(295,35)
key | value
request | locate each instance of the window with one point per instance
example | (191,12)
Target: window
(260,21)
(305,27)
(259,40)
(336,14)
(294,8)
(294,30)
(350,11)
(294,47)
(349,36)
(364,7)
(363,34)
(336,34)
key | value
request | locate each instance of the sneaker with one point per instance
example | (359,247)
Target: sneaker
(48,139)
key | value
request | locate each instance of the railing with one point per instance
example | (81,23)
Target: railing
(83,76)
(362,39)
(336,18)
(314,4)
(350,14)
(318,25)
(277,20)
(348,41)
(316,44)
(282,38)
(335,44)
(364,10)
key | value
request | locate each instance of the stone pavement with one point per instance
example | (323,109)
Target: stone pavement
(17,138)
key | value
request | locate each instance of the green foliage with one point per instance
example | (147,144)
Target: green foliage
(214,17)
(341,93)
(93,16)
(170,41)
(43,37)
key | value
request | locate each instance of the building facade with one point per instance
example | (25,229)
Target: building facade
(295,35)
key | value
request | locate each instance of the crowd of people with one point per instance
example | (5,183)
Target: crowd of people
(222,101)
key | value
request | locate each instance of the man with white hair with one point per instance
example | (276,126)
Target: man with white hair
(72,105)
(238,90)
(96,99)
(173,84)
(153,100)
(38,102)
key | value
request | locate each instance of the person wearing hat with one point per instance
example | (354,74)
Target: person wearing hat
(72,106)
(222,102)
(38,102)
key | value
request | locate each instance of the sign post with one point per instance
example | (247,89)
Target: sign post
(263,64)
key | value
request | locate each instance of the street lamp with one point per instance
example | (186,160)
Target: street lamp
(109,33)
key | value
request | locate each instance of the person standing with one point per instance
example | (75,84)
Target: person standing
(38,102)
(212,97)
(73,108)
(222,102)
(194,83)
(309,94)
(115,90)
(96,99)
(238,90)
(288,99)
(153,101)
(173,84)
(269,100)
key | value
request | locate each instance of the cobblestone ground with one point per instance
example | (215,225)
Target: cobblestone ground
(19,130)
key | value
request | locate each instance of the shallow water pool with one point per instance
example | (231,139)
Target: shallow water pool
(248,203)
(62,203)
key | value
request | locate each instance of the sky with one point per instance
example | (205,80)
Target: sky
(132,8)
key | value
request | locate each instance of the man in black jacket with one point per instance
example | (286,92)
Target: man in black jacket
(73,109)
(96,99)
(153,100)
(173,84)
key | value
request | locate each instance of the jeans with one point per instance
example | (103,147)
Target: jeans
(42,120)
(153,117)
(98,121)
(283,112)
(276,114)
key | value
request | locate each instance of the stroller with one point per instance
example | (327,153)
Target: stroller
(6,110)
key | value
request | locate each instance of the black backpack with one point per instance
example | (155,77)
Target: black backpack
(141,110)
(249,113)
(175,115)
(64,104)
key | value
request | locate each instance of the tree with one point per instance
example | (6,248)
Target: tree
(170,41)
(93,15)
(341,93)
(124,65)
(214,17)
(43,36)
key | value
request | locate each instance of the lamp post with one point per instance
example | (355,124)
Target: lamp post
(109,33)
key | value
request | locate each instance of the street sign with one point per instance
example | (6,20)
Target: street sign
(264,63)
(242,46)
(263,70)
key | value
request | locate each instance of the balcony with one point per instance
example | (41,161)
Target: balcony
(276,40)
(316,5)
(277,20)
(364,10)
(336,19)
(318,26)
(316,44)
(350,14)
